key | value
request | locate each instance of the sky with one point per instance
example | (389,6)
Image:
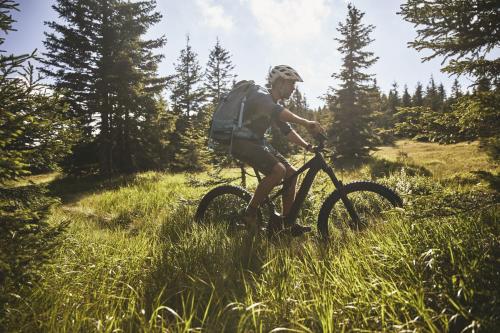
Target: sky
(264,33)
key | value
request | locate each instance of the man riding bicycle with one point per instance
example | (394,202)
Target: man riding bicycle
(261,112)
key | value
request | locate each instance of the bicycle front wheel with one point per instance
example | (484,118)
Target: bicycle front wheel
(224,204)
(369,201)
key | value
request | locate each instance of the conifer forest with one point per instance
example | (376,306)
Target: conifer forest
(104,159)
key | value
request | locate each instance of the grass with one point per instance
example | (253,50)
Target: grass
(441,160)
(133,260)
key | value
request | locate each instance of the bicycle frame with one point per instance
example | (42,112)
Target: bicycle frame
(316,164)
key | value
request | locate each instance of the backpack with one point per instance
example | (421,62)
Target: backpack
(227,120)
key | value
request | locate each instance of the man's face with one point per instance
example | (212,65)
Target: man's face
(288,88)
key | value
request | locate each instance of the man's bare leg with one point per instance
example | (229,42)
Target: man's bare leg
(267,184)
(288,199)
(261,192)
(289,196)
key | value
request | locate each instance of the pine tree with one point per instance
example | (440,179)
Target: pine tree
(393,101)
(188,148)
(456,90)
(113,80)
(406,99)
(218,76)
(432,98)
(75,76)
(418,96)
(463,32)
(187,93)
(378,106)
(219,79)
(350,132)
(137,85)
(35,133)
(483,85)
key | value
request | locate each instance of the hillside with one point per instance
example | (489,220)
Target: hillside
(131,258)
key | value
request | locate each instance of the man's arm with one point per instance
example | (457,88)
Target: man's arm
(295,138)
(311,125)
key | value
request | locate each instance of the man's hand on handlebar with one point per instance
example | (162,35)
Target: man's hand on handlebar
(314,127)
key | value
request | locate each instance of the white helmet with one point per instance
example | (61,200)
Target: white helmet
(284,71)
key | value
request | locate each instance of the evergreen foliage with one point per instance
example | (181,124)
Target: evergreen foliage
(35,130)
(382,119)
(219,73)
(478,117)
(188,97)
(432,120)
(432,97)
(418,96)
(393,102)
(406,98)
(112,86)
(350,132)
(218,80)
(35,133)
(463,32)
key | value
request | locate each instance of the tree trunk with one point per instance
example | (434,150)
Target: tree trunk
(127,148)
(105,158)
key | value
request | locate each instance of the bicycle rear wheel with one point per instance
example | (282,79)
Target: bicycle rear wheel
(370,201)
(224,204)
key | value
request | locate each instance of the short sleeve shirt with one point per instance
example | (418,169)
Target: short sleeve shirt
(261,112)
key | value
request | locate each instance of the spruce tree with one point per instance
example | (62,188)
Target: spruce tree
(350,133)
(35,133)
(393,101)
(378,105)
(432,98)
(188,141)
(456,90)
(219,73)
(138,87)
(463,32)
(113,80)
(219,79)
(418,96)
(406,99)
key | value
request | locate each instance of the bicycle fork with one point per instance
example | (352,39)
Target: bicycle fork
(343,196)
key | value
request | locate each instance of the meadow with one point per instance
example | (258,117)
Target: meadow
(132,259)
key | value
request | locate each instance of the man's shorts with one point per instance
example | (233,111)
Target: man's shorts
(258,155)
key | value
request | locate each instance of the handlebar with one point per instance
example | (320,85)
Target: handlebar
(320,138)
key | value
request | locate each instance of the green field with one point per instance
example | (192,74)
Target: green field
(131,258)
(442,160)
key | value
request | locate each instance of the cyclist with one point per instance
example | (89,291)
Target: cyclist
(261,112)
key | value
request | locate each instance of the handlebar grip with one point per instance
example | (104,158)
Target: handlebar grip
(320,137)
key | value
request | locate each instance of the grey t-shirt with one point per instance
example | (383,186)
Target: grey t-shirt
(261,112)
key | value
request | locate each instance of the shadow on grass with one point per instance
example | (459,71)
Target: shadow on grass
(27,242)
(200,270)
(383,168)
(71,189)
(492,180)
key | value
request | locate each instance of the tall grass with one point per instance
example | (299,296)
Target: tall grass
(134,260)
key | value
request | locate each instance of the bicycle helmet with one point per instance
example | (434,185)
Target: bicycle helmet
(285,72)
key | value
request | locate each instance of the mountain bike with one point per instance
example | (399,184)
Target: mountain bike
(354,205)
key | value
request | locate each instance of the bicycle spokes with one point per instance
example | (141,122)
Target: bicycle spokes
(361,210)
(227,209)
